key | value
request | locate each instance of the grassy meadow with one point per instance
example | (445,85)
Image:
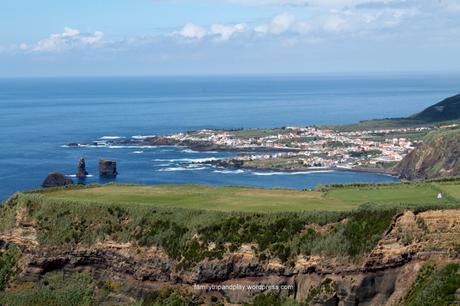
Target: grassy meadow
(245,199)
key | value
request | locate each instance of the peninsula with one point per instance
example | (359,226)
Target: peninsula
(373,146)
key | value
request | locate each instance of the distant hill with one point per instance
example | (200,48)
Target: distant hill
(446,110)
(438,156)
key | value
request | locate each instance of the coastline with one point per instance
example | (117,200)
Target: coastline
(229,163)
(317,169)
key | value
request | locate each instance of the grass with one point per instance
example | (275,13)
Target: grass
(389,194)
(246,199)
(206,197)
(451,189)
(54,289)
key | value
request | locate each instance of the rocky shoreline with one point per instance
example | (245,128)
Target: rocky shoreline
(233,164)
(160,141)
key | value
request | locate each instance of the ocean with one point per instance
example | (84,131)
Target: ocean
(39,116)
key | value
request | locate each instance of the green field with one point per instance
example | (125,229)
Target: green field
(451,189)
(206,197)
(247,199)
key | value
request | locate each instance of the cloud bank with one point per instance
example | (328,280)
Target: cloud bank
(67,40)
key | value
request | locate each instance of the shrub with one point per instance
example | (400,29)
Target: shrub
(434,287)
(8,261)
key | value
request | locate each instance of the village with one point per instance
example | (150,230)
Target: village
(293,148)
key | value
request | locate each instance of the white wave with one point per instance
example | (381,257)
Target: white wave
(291,173)
(142,136)
(229,171)
(181,169)
(74,175)
(189,160)
(129,147)
(164,165)
(138,152)
(111,137)
(190,151)
(81,146)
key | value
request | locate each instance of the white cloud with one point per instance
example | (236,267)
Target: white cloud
(68,39)
(225,32)
(192,31)
(69,32)
(335,22)
(220,32)
(316,3)
(282,23)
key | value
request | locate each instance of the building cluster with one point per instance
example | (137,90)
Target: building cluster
(316,147)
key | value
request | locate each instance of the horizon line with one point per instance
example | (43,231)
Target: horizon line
(249,74)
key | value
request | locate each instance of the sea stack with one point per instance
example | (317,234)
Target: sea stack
(56,179)
(81,169)
(107,168)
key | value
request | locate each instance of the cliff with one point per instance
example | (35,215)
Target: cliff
(117,269)
(437,156)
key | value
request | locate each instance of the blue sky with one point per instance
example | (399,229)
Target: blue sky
(160,37)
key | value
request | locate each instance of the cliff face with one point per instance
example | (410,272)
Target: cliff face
(383,277)
(438,156)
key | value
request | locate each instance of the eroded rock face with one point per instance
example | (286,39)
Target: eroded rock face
(107,168)
(438,156)
(382,278)
(81,169)
(56,179)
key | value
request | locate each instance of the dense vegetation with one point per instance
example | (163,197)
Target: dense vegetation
(54,289)
(8,261)
(434,286)
(59,288)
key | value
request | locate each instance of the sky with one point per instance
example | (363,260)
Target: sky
(199,37)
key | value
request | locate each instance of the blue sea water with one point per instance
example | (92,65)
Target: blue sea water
(38,116)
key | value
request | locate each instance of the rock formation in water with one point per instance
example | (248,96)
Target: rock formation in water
(107,168)
(56,179)
(81,169)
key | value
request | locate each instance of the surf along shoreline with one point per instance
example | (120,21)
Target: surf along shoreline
(226,163)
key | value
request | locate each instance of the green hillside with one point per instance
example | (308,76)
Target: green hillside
(446,110)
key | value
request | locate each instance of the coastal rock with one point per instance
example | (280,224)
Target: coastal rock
(56,179)
(438,156)
(107,168)
(81,168)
